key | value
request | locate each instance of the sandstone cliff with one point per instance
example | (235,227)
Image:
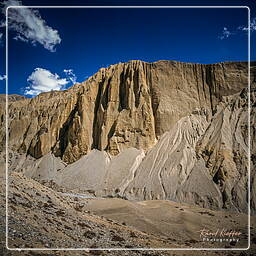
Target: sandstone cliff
(163,130)
(126,105)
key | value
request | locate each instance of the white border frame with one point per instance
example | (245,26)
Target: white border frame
(132,249)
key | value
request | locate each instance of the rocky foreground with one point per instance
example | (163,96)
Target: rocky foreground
(40,217)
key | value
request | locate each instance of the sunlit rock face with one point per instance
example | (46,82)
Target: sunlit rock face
(162,130)
(125,105)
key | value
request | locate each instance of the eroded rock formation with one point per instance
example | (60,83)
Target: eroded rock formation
(163,130)
(126,105)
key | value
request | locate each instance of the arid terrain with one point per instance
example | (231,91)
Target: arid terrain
(40,217)
(140,155)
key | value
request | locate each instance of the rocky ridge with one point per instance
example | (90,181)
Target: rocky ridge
(11,97)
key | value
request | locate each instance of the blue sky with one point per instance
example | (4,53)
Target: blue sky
(88,39)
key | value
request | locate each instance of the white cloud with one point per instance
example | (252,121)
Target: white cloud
(2,77)
(42,80)
(252,26)
(19,37)
(70,75)
(225,34)
(30,26)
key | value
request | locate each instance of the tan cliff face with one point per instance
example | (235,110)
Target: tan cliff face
(125,105)
(136,130)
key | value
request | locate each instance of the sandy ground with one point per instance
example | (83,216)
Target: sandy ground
(178,222)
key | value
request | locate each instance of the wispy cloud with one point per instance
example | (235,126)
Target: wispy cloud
(42,80)
(19,37)
(70,75)
(1,38)
(225,34)
(2,77)
(30,26)
(252,26)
